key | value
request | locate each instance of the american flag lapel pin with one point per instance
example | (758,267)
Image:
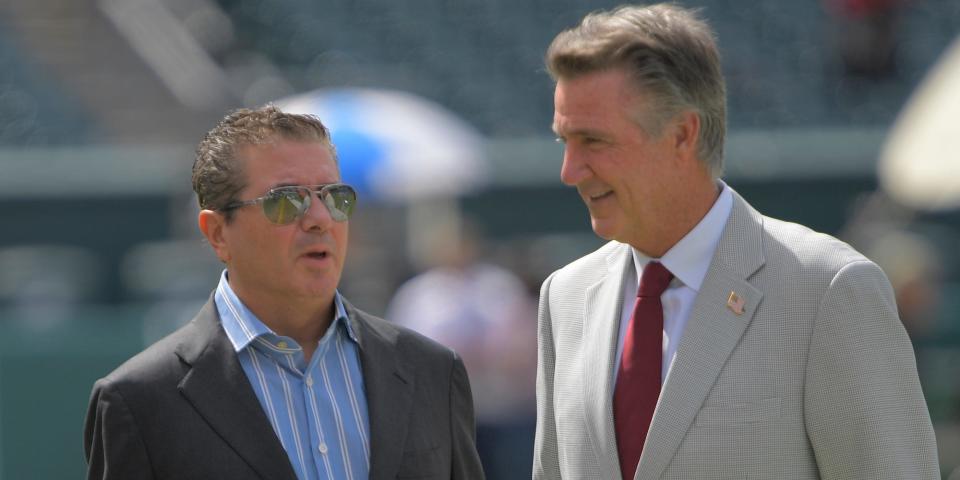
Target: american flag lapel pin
(735,303)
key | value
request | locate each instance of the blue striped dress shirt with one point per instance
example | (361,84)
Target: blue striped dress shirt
(318,410)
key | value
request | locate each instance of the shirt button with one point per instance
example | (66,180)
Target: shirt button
(322,448)
(310,383)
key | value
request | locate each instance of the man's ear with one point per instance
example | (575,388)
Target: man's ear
(212,225)
(686,133)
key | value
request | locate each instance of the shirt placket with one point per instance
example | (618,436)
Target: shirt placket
(321,449)
(290,358)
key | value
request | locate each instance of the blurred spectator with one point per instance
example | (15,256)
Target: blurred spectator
(912,264)
(865,32)
(886,232)
(484,312)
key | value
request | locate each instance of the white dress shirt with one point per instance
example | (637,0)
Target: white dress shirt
(689,261)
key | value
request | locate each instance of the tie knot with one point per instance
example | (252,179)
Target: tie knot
(654,280)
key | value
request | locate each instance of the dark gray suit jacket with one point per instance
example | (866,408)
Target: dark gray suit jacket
(183,409)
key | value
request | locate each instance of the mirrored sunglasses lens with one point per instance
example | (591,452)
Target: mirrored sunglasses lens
(340,201)
(285,206)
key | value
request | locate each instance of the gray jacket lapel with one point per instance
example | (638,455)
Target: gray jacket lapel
(218,389)
(389,385)
(601,326)
(712,332)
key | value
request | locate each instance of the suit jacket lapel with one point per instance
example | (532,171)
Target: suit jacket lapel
(389,384)
(712,333)
(219,390)
(601,325)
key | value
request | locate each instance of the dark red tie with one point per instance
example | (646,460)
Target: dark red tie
(638,378)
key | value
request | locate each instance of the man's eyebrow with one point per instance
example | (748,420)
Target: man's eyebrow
(581,132)
(284,184)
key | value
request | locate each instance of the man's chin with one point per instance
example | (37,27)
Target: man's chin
(603,228)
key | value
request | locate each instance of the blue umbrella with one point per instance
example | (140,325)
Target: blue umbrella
(394,146)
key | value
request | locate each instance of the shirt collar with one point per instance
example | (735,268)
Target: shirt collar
(690,258)
(243,327)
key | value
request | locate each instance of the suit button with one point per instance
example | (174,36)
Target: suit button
(322,448)
(309,381)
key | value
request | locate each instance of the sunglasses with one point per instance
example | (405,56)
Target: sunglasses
(284,205)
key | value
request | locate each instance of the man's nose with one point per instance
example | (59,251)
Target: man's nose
(574,170)
(317,215)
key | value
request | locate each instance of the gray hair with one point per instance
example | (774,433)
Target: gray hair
(670,54)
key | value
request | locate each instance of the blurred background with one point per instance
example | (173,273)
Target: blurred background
(441,111)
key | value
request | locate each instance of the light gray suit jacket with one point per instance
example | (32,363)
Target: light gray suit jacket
(183,409)
(816,378)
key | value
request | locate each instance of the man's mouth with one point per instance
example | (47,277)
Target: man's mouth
(600,196)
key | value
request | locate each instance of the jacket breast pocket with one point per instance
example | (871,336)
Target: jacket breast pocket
(423,464)
(765,410)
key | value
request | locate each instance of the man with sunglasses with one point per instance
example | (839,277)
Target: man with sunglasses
(278,376)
